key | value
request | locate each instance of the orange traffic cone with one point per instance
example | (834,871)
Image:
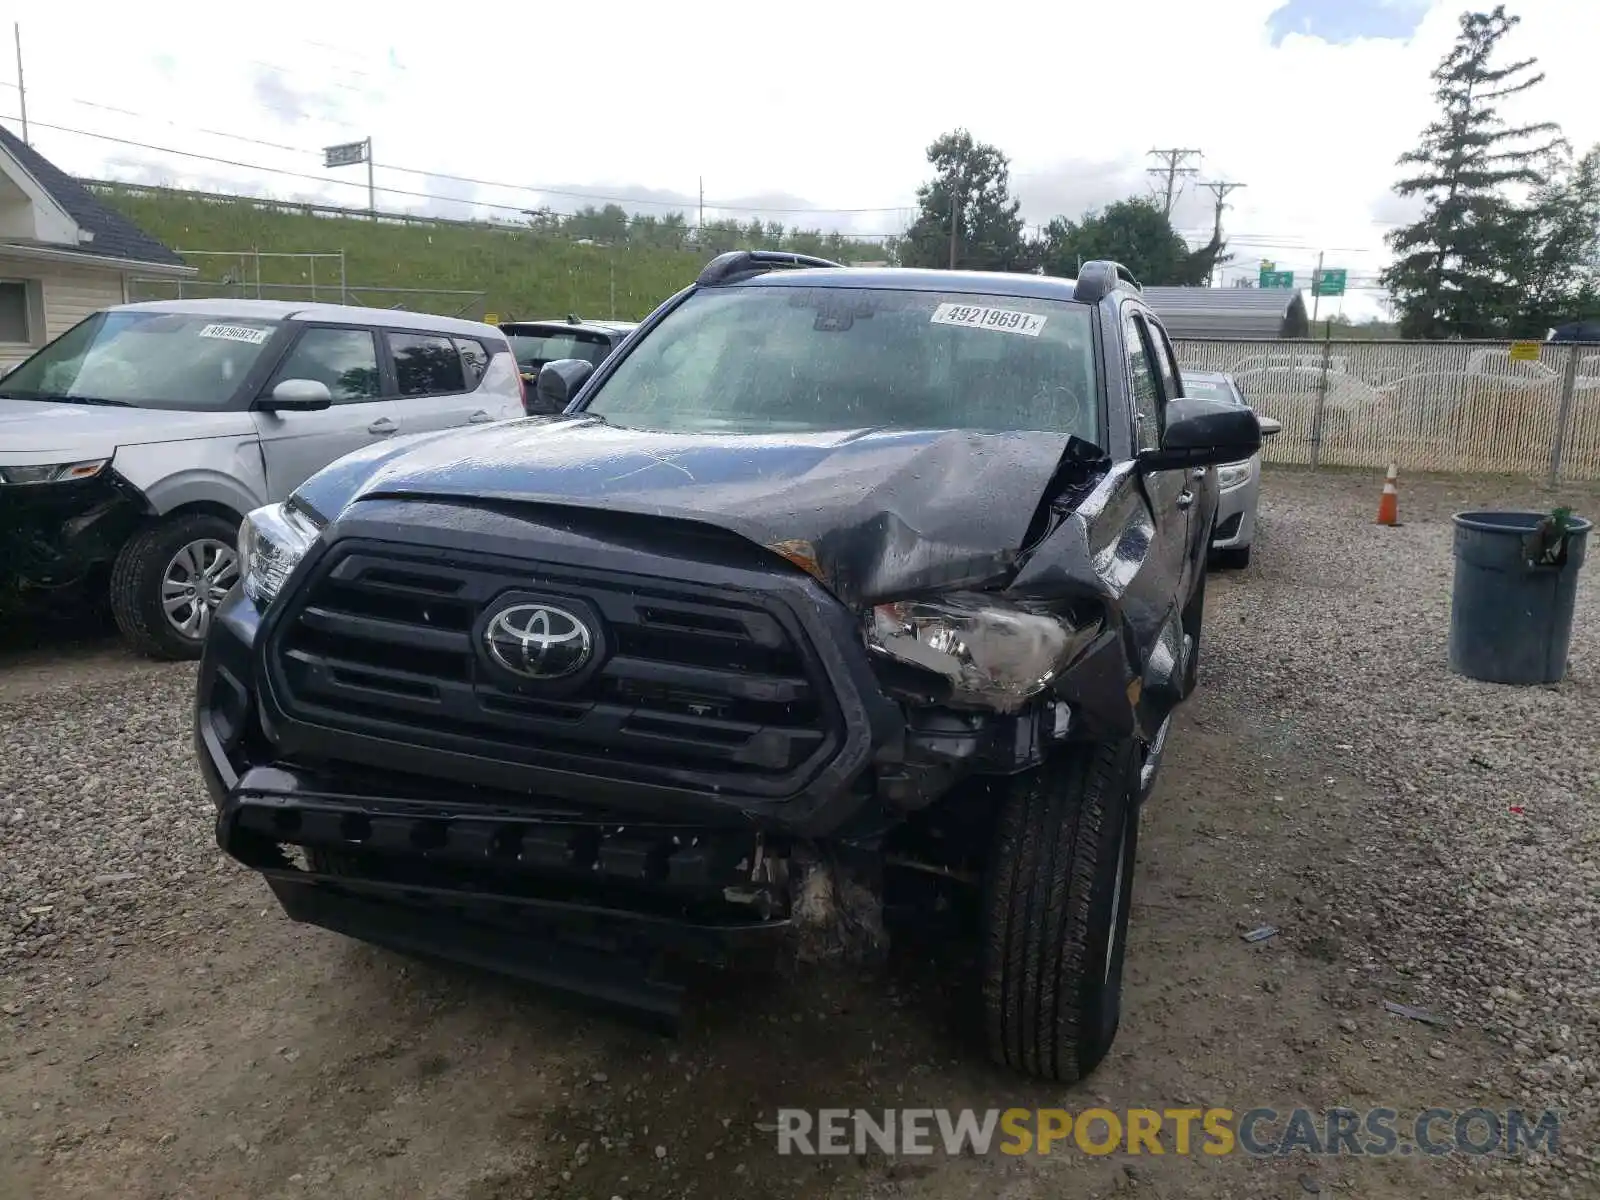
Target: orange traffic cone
(1389,504)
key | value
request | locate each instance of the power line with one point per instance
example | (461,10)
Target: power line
(1220,190)
(533,189)
(1175,159)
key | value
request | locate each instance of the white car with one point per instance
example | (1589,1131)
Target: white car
(132,446)
(1239,482)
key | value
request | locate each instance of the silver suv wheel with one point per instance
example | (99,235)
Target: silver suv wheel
(196,579)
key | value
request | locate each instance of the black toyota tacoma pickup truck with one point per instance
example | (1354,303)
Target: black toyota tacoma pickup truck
(828,576)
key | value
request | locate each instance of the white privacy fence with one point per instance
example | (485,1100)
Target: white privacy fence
(1428,406)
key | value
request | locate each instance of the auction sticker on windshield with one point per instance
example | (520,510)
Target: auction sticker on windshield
(237,333)
(972,316)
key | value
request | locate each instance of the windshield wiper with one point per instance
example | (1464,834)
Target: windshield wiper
(63,398)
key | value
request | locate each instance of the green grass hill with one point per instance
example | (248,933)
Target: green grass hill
(523,274)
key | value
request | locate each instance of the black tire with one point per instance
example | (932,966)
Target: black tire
(138,575)
(1194,619)
(1232,558)
(1059,883)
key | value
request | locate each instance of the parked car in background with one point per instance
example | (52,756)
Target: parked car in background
(1240,482)
(132,445)
(538,342)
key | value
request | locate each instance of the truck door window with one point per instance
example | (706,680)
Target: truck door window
(1143,384)
(1166,361)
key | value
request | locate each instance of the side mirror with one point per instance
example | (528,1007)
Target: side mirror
(297,395)
(1269,426)
(1203,433)
(559,382)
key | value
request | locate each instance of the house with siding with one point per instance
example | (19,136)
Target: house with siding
(63,254)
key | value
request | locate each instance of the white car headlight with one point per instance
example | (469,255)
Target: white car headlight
(53,472)
(271,541)
(1231,475)
(991,653)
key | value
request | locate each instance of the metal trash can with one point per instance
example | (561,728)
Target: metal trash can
(1511,619)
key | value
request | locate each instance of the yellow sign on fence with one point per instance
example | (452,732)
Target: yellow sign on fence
(1524,351)
(494,319)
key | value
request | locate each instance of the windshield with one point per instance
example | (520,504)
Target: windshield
(534,349)
(780,359)
(144,360)
(1208,389)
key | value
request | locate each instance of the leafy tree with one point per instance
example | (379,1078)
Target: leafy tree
(608,224)
(972,185)
(1559,270)
(1135,234)
(1455,271)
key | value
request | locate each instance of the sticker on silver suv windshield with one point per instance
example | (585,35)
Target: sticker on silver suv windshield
(972,316)
(236,333)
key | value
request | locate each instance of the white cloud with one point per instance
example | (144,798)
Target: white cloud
(831,105)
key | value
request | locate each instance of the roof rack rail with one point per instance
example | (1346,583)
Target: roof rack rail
(1099,277)
(741,264)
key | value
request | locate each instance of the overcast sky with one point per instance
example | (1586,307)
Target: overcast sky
(826,108)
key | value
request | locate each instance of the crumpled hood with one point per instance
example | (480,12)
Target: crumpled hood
(881,513)
(39,431)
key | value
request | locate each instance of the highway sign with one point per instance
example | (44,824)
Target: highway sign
(1329,282)
(345,155)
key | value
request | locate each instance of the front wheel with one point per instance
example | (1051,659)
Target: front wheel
(169,579)
(1060,880)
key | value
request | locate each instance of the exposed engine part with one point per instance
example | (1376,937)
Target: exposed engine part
(836,910)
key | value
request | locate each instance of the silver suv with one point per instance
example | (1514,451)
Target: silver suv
(133,444)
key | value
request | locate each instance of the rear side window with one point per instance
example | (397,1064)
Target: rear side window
(474,359)
(426,365)
(346,360)
(534,347)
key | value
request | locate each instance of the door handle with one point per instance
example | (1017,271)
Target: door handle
(382,426)
(1185,498)
(479,417)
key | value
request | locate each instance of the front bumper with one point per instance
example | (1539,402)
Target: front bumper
(580,884)
(52,533)
(1236,512)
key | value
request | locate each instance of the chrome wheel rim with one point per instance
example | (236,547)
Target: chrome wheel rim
(197,577)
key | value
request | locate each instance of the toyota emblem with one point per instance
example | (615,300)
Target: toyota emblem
(538,641)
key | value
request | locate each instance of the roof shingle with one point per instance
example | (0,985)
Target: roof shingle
(114,235)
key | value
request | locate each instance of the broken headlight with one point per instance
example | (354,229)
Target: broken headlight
(990,652)
(272,540)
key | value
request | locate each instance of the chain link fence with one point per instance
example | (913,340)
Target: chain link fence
(1426,406)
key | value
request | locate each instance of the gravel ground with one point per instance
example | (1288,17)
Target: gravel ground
(164,1032)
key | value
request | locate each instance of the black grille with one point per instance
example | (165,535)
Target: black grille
(710,689)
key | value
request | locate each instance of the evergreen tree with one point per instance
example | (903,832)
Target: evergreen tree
(1456,268)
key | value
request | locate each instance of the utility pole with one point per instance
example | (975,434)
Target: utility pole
(372,191)
(1175,160)
(701,221)
(1220,190)
(1316,288)
(955,214)
(22,92)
